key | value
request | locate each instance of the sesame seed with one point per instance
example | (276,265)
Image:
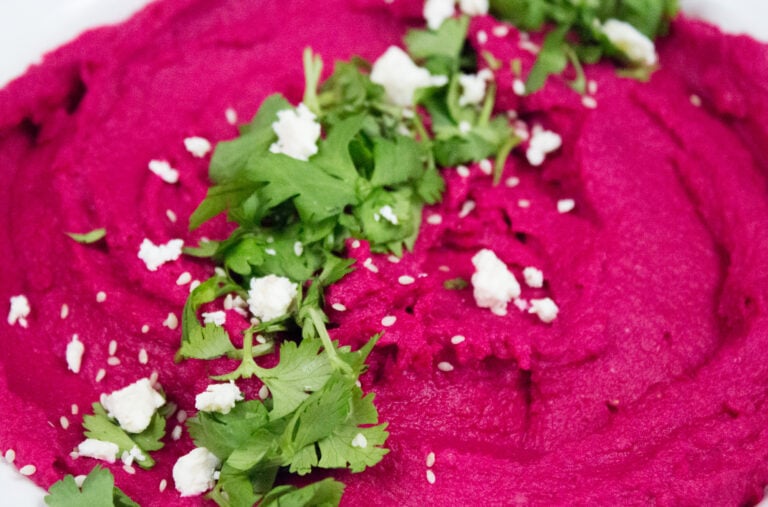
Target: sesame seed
(74,455)
(394,259)
(64,311)
(171,321)
(591,86)
(10,456)
(512,181)
(64,422)
(298,248)
(430,476)
(100,374)
(171,215)
(184,278)
(153,378)
(434,219)
(482,37)
(264,392)
(565,205)
(485,166)
(79,480)
(145,328)
(524,203)
(194,285)
(518,87)
(500,30)
(529,46)
(466,208)
(112,347)
(143,356)
(406,280)
(588,102)
(462,171)
(370,266)
(430,460)
(176,433)
(101,296)
(270,251)
(28,470)
(444,269)
(181,416)
(129,469)
(521,304)
(163,485)
(231,115)
(260,339)
(444,366)
(113,361)
(339,307)
(458,339)
(388,321)
(695,100)
(360,441)
(355,244)
(74,409)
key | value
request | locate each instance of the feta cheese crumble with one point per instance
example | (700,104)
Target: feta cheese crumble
(297,133)
(565,205)
(400,77)
(19,310)
(218,398)
(134,405)
(533,277)
(98,449)
(638,48)
(473,7)
(388,214)
(437,11)
(545,309)
(473,87)
(193,473)
(74,354)
(219,318)
(155,256)
(271,296)
(164,170)
(197,146)
(542,143)
(493,284)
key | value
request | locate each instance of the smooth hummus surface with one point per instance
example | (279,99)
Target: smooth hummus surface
(650,386)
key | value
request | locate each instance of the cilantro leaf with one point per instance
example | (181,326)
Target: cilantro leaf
(447,41)
(98,490)
(210,341)
(223,433)
(88,237)
(323,493)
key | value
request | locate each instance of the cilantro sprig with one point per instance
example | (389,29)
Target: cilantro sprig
(98,490)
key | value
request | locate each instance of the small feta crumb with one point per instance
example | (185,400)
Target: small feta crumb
(500,31)
(406,280)
(466,208)
(28,470)
(74,354)
(19,310)
(298,248)
(431,477)
(184,278)
(155,256)
(176,433)
(218,398)
(493,284)
(430,461)
(444,366)
(520,304)
(355,244)
(463,171)
(197,146)
(339,307)
(171,321)
(171,216)
(400,77)
(113,361)
(518,87)
(565,205)
(473,87)
(231,115)
(589,102)
(545,309)
(64,311)
(388,214)
(370,266)
(143,356)
(271,297)
(193,472)
(458,339)
(638,48)
(437,11)
(360,441)
(533,277)
(434,219)
(541,143)
(101,296)
(512,182)
(270,251)
(263,392)
(98,449)
(219,317)
(695,100)
(100,374)
(164,170)
(465,127)
(297,133)
(127,457)
(133,405)
(474,7)
(388,321)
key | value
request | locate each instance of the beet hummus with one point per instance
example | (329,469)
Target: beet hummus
(649,225)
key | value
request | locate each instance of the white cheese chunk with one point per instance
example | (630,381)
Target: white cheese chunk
(400,77)
(545,309)
(98,449)
(638,48)
(388,214)
(493,284)
(219,318)
(437,11)
(193,473)
(155,256)
(533,277)
(74,354)
(297,133)
(134,405)
(542,143)
(19,310)
(164,170)
(565,205)
(218,398)
(271,296)
(473,87)
(473,7)
(197,146)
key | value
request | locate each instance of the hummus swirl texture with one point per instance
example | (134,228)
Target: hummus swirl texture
(650,386)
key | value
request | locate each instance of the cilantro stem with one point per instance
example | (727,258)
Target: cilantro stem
(487,111)
(248,366)
(501,157)
(313,68)
(336,361)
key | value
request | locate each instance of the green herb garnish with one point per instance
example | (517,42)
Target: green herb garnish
(98,490)
(88,237)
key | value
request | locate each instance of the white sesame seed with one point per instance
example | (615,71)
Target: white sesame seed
(339,307)
(264,392)
(10,456)
(143,356)
(260,339)
(466,208)
(74,409)
(101,296)
(524,203)
(184,278)
(64,422)
(695,100)
(113,361)
(444,366)
(231,115)
(28,470)
(589,102)
(444,269)
(176,433)
(565,205)
(434,219)
(406,280)
(171,321)
(394,259)
(518,87)
(430,460)
(389,320)
(163,485)
(482,37)
(355,244)
(529,46)
(430,476)
(153,378)
(458,339)
(64,311)
(520,303)
(360,441)
(171,215)
(465,127)
(370,266)
(298,248)
(591,86)
(500,30)
(485,166)
(145,328)
(129,469)
(512,181)
(194,285)
(74,455)
(79,480)
(100,374)
(462,171)
(270,251)
(112,347)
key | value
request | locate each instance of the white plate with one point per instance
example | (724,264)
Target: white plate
(33,27)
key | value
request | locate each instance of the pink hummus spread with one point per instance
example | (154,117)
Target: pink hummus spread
(650,386)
